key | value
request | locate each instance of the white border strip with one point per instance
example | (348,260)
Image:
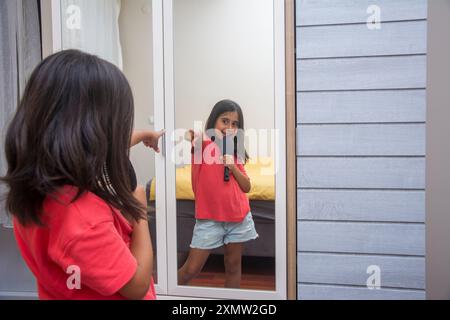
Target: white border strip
(56,25)
(280,161)
(172,257)
(158,100)
(51,27)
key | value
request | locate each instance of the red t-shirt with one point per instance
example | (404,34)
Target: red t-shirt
(87,234)
(216,199)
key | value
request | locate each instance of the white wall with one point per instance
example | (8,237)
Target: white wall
(136,38)
(224,49)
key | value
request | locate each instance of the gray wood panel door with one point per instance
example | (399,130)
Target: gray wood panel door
(361,116)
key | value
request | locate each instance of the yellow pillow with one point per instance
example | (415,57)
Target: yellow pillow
(260,171)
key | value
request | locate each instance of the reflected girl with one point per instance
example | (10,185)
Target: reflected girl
(222,210)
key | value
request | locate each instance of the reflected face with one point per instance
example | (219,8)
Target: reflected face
(227,122)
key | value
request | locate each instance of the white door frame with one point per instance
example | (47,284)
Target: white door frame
(51,27)
(280,165)
(160,159)
(52,43)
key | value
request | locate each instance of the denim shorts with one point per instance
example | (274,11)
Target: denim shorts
(210,234)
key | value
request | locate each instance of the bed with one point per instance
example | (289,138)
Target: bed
(262,204)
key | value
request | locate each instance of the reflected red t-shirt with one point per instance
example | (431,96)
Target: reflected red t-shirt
(216,199)
(86,236)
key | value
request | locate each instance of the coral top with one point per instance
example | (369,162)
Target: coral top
(83,250)
(216,199)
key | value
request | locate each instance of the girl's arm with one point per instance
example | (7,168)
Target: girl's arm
(142,250)
(242,179)
(196,146)
(148,137)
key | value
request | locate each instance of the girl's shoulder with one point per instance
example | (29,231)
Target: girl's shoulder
(67,206)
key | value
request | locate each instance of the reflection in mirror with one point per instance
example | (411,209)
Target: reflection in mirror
(120,31)
(224,87)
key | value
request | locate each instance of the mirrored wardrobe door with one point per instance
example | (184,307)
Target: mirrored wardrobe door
(223,87)
(128,33)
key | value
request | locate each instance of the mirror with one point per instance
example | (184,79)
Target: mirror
(224,50)
(120,31)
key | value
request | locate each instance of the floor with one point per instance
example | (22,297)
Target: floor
(258,273)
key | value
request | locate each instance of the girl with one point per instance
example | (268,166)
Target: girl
(222,208)
(78,224)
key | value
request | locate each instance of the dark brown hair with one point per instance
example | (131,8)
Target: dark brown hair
(225,106)
(74,122)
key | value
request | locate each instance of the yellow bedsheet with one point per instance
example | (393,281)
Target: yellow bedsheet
(261,173)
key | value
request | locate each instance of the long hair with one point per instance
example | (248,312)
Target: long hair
(219,109)
(72,127)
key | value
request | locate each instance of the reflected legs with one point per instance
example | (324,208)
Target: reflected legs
(233,264)
(193,265)
(197,259)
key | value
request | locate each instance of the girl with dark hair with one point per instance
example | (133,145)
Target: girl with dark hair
(79,223)
(222,209)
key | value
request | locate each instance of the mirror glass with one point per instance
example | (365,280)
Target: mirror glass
(224,81)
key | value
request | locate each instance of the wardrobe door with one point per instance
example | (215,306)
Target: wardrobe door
(215,50)
(128,33)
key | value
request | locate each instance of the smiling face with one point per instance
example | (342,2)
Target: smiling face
(227,123)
